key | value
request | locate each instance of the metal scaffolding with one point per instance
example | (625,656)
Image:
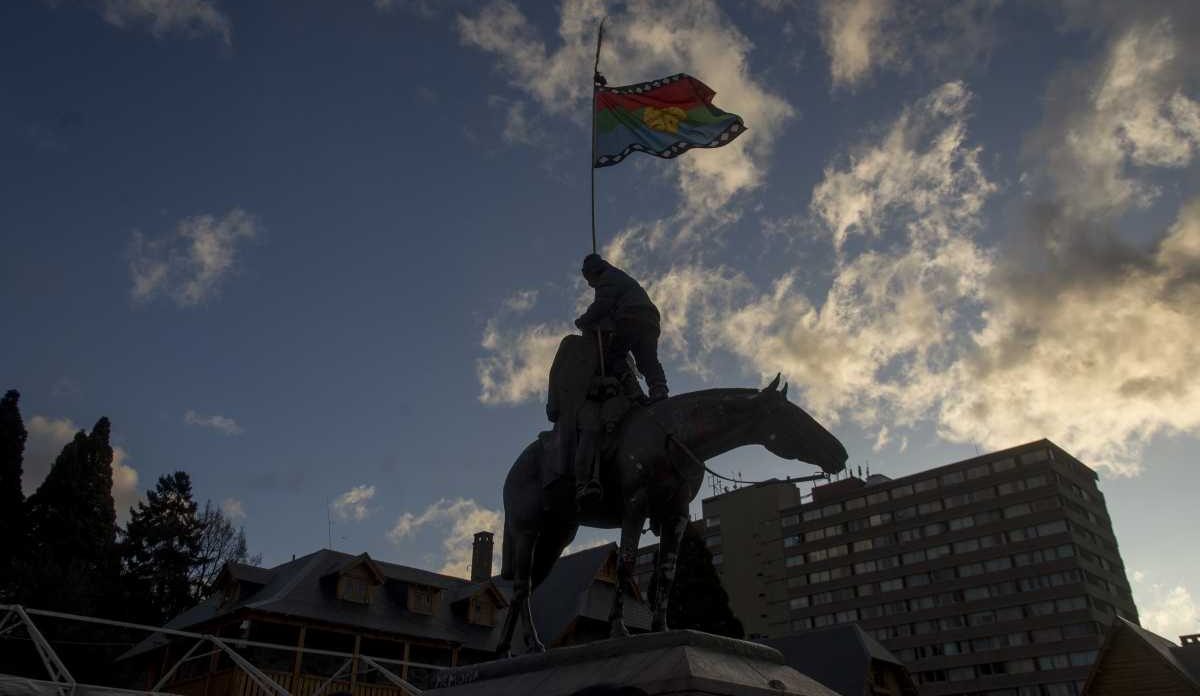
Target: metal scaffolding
(60,681)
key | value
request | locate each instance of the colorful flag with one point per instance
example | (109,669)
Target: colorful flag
(664,118)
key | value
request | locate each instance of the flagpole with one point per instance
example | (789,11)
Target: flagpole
(597,81)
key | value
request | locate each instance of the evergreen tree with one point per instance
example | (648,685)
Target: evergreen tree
(73,525)
(161,548)
(220,542)
(12,501)
(698,601)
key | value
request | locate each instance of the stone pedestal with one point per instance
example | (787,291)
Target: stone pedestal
(680,663)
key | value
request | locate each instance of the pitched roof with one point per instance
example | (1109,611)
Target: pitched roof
(301,588)
(1184,662)
(571,592)
(838,656)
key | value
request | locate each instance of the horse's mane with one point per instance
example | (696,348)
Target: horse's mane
(689,399)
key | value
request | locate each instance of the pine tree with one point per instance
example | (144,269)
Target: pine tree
(161,548)
(698,601)
(13,538)
(73,528)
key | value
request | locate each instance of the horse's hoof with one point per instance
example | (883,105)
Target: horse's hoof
(537,647)
(619,630)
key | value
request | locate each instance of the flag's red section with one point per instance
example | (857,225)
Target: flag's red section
(686,94)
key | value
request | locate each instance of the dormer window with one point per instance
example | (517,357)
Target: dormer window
(354,589)
(356,579)
(483,611)
(422,599)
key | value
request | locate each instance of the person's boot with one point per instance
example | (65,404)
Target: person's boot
(658,392)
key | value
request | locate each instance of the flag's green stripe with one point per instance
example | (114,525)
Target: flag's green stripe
(610,119)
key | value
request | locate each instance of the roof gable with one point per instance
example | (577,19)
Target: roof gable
(1133,657)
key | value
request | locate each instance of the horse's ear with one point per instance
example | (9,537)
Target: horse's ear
(784,390)
(774,383)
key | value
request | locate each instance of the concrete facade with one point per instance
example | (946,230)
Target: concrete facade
(996,575)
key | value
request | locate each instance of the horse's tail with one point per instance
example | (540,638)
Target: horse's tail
(506,555)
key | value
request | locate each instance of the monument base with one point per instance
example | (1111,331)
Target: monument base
(680,663)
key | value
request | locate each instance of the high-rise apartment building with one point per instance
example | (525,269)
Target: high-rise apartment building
(745,524)
(993,576)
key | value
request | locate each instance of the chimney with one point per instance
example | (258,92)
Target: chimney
(481,557)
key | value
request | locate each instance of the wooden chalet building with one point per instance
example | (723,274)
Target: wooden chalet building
(1137,662)
(415,620)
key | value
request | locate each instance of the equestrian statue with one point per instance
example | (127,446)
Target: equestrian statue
(645,456)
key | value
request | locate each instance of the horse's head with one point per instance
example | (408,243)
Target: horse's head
(787,431)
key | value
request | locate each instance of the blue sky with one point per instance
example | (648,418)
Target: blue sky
(322,251)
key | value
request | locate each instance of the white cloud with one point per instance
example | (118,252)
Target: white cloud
(863,37)
(1125,113)
(354,503)
(46,439)
(517,363)
(1101,360)
(188,264)
(852,31)
(517,128)
(1168,610)
(652,40)
(521,301)
(459,519)
(234,509)
(216,422)
(162,17)
(879,344)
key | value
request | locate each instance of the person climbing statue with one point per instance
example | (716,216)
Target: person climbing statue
(635,322)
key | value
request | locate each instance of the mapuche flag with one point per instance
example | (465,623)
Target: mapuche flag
(664,118)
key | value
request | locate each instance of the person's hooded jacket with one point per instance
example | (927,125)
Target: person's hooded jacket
(617,295)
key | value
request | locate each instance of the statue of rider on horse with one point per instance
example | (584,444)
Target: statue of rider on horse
(617,459)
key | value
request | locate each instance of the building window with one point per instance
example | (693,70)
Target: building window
(891,585)
(483,612)
(930,507)
(718,559)
(1003,464)
(978,471)
(712,522)
(831,510)
(421,599)
(876,498)
(902,491)
(926,485)
(966,546)
(354,589)
(952,478)
(790,521)
(712,541)
(798,602)
(855,503)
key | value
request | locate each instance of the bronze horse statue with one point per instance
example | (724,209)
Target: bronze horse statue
(656,472)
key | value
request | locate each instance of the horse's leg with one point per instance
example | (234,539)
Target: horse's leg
(631,531)
(664,569)
(519,608)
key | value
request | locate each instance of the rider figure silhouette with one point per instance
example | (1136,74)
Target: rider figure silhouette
(622,304)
